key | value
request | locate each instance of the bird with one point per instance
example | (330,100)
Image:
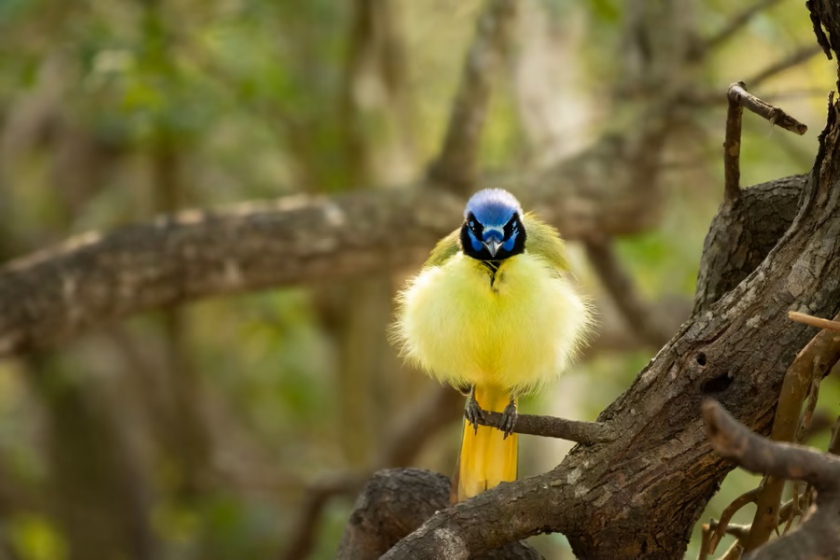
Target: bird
(493,313)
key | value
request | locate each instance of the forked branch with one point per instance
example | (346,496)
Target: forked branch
(817,537)
(740,98)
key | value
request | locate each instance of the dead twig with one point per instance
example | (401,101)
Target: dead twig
(732,150)
(814,321)
(739,98)
(722,527)
(777,117)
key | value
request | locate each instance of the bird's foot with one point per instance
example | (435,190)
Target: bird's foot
(473,412)
(508,422)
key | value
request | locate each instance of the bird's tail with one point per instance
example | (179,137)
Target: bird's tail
(487,457)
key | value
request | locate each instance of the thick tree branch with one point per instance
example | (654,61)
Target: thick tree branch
(396,502)
(456,166)
(742,234)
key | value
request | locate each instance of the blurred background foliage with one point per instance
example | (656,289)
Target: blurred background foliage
(194,433)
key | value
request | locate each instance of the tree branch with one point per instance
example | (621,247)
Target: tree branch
(587,433)
(739,98)
(396,502)
(815,360)
(457,164)
(776,116)
(817,537)
(90,280)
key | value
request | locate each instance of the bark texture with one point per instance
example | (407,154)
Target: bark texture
(397,501)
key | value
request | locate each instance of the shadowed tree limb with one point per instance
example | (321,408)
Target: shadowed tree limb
(396,502)
(817,537)
(814,361)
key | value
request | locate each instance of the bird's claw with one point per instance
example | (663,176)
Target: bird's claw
(473,413)
(508,422)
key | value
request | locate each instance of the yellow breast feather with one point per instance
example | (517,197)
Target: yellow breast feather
(515,333)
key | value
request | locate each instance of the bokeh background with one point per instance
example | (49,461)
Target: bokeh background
(239,427)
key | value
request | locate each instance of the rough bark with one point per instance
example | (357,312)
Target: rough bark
(742,234)
(397,501)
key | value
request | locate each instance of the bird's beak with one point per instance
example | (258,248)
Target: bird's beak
(492,246)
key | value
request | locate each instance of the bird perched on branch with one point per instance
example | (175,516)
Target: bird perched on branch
(492,314)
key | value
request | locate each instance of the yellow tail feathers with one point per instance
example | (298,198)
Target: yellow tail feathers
(487,458)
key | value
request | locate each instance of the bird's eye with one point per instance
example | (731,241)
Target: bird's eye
(472,225)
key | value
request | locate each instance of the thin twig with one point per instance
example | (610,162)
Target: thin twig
(810,405)
(726,516)
(734,552)
(814,321)
(794,507)
(705,535)
(586,433)
(739,98)
(817,537)
(732,150)
(638,314)
(776,116)
(456,165)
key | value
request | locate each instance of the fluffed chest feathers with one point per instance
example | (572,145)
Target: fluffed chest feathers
(514,326)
